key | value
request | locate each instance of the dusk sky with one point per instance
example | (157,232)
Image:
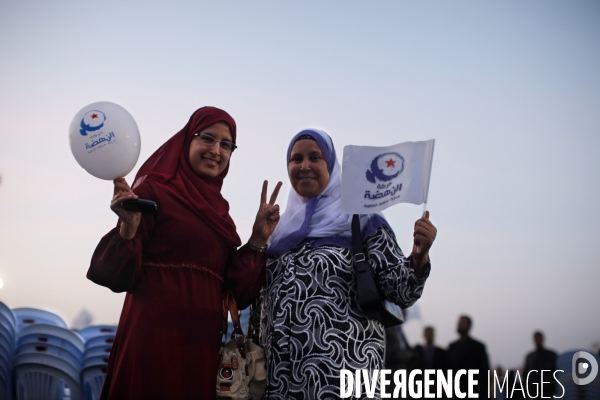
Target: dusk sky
(510,91)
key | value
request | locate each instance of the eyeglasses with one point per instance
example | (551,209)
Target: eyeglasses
(210,141)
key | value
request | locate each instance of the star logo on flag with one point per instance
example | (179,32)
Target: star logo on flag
(385,167)
(94,116)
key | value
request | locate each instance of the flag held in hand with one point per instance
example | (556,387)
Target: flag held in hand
(374,178)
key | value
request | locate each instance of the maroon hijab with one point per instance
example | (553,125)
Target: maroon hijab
(170,168)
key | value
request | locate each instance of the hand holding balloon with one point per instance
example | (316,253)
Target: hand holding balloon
(130,220)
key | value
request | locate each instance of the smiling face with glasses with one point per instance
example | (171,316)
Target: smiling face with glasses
(210,150)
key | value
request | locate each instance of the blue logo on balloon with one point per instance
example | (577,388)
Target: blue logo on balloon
(92,121)
(385,167)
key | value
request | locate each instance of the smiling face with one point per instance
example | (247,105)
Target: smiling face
(209,161)
(307,168)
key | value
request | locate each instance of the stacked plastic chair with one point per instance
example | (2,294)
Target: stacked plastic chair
(8,328)
(573,391)
(29,316)
(99,340)
(48,356)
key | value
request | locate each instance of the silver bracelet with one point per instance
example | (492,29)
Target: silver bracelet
(256,248)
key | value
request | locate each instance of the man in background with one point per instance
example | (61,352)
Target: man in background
(429,356)
(468,353)
(536,361)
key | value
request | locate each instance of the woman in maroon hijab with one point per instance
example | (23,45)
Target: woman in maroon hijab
(173,265)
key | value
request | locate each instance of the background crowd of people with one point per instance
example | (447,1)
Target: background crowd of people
(468,353)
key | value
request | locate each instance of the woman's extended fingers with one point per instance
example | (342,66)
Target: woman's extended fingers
(275,194)
(267,216)
(263,194)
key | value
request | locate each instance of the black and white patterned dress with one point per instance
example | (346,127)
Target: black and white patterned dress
(308,324)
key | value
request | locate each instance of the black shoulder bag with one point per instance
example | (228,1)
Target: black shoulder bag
(370,300)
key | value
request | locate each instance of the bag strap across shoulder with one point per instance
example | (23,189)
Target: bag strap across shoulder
(230,307)
(368,295)
(370,300)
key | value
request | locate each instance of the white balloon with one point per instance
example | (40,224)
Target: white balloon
(105,140)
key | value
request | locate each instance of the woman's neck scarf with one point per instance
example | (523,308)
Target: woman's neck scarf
(169,168)
(318,218)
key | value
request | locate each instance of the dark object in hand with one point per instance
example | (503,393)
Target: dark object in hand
(141,205)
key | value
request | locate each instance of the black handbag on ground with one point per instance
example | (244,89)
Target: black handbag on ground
(370,300)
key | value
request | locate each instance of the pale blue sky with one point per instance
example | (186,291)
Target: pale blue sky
(509,90)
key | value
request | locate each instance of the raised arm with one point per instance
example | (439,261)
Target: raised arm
(394,273)
(118,257)
(246,270)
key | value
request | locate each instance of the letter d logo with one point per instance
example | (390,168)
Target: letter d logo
(583,367)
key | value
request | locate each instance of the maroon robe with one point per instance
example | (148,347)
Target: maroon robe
(168,336)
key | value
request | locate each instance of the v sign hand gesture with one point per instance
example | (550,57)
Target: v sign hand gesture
(267,217)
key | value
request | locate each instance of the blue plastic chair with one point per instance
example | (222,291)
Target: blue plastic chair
(5,383)
(93,375)
(97,330)
(92,380)
(52,335)
(7,314)
(95,365)
(5,364)
(45,348)
(53,341)
(7,324)
(95,360)
(7,328)
(5,374)
(45,377)
(6,357)
(5,388)
(100,350)
(100,340)
(7,334)
(29,316)
(7,348)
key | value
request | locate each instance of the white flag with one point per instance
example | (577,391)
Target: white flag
(374,178)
